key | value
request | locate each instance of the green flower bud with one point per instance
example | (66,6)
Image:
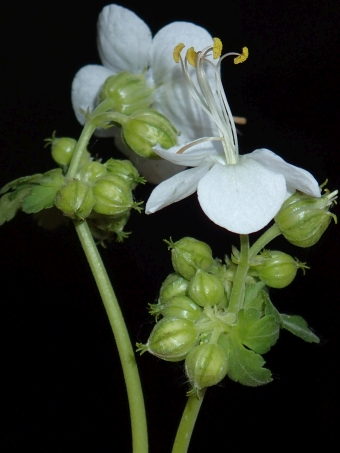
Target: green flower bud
(188,255)
(61,149)
(205,365)
(303,219)
(112,196)
(75,199)
(173,285)
(90,172)
(171,339)
(206,289)
(147,128)
(177,307)
(278,269)
(125,170)
(128,92)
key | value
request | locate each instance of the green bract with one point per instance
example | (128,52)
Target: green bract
(205,365)
(188,255)
(147,128)
(303,219)
(128,92)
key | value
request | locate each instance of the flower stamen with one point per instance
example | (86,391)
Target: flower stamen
(212,100)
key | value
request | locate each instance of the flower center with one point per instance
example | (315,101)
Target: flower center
(212,100)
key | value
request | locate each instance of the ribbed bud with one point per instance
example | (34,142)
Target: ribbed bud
(303,219)
(128,92)
(206,289)
(173,285)
(188,255)
(90,172)
(171,339)
(125,170)
(205,365)
(278,269)
(147,128)
(112,196)
(178,307)
(75,199)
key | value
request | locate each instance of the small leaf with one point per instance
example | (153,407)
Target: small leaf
(254,297)
(40,198)
(258,334)
(299,327)
(24,181)
(10,203)
(245,366)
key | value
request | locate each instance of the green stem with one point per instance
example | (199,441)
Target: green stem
(237,293)
(84,138)
(187,423)
(125,350)
(262,241)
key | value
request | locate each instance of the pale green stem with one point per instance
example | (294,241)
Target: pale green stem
(262,241)
(84,138)
(126,353)
(237,292)
(187,423)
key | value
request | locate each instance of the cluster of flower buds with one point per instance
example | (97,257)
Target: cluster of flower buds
(99,192)
(142,127)
(194,321)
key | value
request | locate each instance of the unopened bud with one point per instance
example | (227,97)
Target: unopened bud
(205,365)
(112,196)
(303,219)
(128,92)
(206,289)
(75,199)
(171,339)
(173,285)
(278,269)
(147,128)
(188,255)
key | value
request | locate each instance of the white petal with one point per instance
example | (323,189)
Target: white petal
(176,188)
(124,40)
(164,42)
(296,178)
(172,97)
(85,88)
(192,157)
(242,198)
(154,170)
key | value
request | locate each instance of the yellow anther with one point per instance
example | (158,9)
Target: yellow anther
(217,48)
(191,56)
(177,51)
(244,55)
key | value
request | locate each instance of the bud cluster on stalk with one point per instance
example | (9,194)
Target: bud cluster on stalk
(99,192)
(142,127)
(194,321)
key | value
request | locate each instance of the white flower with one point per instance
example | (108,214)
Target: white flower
(240,193)
(125,44)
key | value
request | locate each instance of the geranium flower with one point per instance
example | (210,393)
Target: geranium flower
(125,43)
(239,193)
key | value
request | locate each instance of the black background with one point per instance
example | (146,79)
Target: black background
(61,384)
